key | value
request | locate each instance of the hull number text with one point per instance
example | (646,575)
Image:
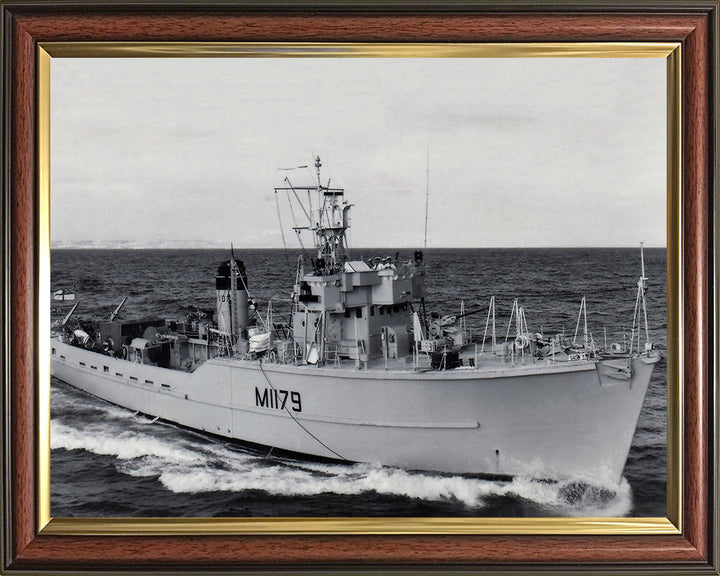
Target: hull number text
(278,399)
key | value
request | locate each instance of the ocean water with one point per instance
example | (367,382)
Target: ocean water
(110,462)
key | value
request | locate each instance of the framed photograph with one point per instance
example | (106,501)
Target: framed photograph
(209,365)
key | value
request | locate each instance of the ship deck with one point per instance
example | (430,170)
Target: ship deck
(484,365)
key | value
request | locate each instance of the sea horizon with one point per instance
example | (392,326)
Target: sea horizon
(352,248)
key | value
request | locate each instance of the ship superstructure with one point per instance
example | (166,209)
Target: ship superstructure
(344,308)
(360,373)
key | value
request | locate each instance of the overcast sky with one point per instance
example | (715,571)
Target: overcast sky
(523,152)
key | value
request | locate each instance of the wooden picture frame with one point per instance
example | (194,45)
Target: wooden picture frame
(29,545)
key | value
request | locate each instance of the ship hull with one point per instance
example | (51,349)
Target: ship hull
(546,420)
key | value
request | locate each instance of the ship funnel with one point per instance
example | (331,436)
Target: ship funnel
(231,298)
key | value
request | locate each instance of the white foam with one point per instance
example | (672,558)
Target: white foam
(124,445)
(576,497)
(584,500)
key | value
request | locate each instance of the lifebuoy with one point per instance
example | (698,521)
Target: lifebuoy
(522,342)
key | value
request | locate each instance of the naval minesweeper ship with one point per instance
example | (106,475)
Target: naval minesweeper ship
(360,373)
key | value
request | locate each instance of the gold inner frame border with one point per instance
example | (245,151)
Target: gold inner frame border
(379,526)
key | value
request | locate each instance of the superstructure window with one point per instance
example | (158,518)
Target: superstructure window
(358,312)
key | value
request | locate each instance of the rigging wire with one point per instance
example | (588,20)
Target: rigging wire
(512,315)
(295,225)
(260,364)
(250,297)
(282,233)
(324,213)
(300,201)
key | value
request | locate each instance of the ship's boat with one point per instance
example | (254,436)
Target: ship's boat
(361,373)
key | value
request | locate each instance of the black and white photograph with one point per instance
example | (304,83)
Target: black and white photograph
(358,287)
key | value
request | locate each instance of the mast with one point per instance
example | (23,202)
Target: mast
(318,165)
(640,303)
(582,314)
(427,194)
(642,284)
(328,222)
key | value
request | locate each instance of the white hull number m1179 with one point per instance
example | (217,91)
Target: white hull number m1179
(278,399)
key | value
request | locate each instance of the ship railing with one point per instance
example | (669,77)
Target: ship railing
(286,352)
(332,354)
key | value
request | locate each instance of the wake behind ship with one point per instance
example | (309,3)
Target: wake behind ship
(360,372)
